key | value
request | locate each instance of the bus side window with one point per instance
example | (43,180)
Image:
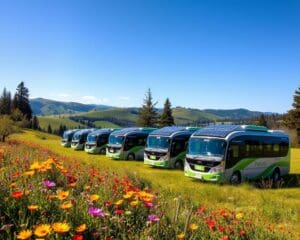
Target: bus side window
(233,155)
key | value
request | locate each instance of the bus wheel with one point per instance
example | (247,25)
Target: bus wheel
(178,165)
(235,178)
(130,156)
(276,176)
(103,151)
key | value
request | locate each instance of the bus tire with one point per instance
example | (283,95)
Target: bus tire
(103,151)
(130,156)
(276,176)
(236,178)
(178,165)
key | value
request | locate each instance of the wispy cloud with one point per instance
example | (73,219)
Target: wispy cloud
(124,98)
(93,100)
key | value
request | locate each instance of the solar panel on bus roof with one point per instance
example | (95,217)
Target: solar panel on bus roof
(216,130)
(125,131)
(167,131)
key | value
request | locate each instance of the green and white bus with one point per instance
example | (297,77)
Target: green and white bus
(233,153)
(166,147)
(79,139)
(128,143)
(67,137)
(97,140)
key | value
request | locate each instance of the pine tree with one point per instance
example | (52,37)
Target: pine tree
(262,121)
(21,101)
(5,103)
(147,115)
(49,129)
(166,119)
(35,123)
(292,118)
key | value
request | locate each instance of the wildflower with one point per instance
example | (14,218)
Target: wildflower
(119,202)
(193,226)
(242,232)
(153,218)
(32,207)
(77,237)
(134,203)
(17,194)
(221,228)
(200,210)
(239,215)
(49,184)
(224,238)
(42,230)
(180,236)
(128,195)
(81,228)
(87,187)
(128,213)
(148,204)
(35,166)
(94,197)
(211,224)
(29,173)
(119,211)
(63,195)
(24,234)
(107,203)
(66,205)
(96,212)
(60,227)
(13,184)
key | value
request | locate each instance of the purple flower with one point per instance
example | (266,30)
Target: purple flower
(96,212)
(148,204)
(153,218)
(49,184)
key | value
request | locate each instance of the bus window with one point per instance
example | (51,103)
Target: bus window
(130,142)
(141,140)
(178,146)
(233,155)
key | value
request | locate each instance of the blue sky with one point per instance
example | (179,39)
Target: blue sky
(200,54)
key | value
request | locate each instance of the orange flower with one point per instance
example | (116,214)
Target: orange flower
(81,228)
(17,194)
(134,203)
(32,207)
(180,236)
(193,226)
(42,230)
(62,195)
(29,173)
(24,234)
(94,197)
(66,205)
(60,227)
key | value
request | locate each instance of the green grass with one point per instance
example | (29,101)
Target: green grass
(105,124)
(273,205)
(55,122)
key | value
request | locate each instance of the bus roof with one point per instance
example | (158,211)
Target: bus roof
(125,131)
(169,131)
(83,131)
(101,131)
(224,130)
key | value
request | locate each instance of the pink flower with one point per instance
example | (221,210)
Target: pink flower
(153,218)
(96,212)
(49,184)
(148,204)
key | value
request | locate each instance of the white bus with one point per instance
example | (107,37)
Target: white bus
(237,152)
(67,137)
(79,139)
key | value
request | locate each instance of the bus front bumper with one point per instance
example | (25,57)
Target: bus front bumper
(66,144)
(116,156)
(210,177)
(157,163)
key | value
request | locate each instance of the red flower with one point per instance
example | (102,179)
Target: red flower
(119,211)
(221,228)
(242,233)
(211,224)
(224,238)
(200,210)
(109,238)
(78,237)
(108,203)
(17,194)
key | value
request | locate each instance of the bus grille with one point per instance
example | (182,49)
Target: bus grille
(207,164)
(157,155)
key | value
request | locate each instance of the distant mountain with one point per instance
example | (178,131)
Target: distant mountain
(41,106)
(233,114)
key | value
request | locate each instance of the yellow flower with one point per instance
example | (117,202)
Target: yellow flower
(239,215)
(180,236)
(60,227)
(35,166)
(81,228)
(87,187)
(94,197)
(66,205)
(32,207)
(42,230)
(119,202)
(24,234)
(193,226)
(62,195)
(128,195)
(134,203)
(29,173)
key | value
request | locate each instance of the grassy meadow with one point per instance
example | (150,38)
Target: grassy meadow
(249,212)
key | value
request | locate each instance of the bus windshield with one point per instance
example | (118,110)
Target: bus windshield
(76,136)
(66,135)
(207,146)
(116,139)
(158,142)
(91,138)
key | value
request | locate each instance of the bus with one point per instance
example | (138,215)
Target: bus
(166,147)
(67,137)
(128,143)
(233,153)
(97,140)
(79,139)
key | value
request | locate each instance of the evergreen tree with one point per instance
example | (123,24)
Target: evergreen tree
(21,101)
(49,129)
(166,119)
(35,123)
(262,121)
(5,102)
(147,115)
(292,118)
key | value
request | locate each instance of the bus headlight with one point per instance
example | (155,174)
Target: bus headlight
(217,169)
